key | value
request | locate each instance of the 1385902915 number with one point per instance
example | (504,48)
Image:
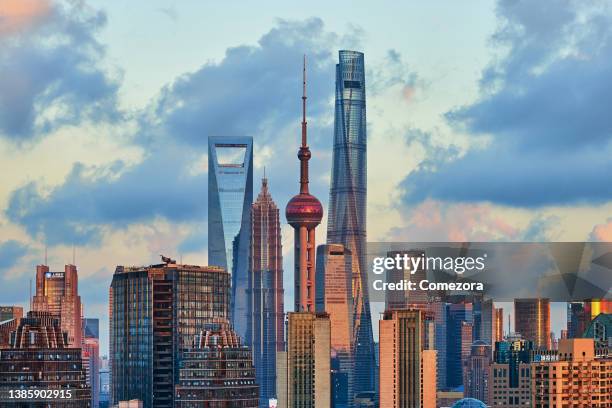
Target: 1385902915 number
(33,394)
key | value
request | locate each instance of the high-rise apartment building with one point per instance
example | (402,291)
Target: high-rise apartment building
(346,222)
(407,370)
(217,371)
(334,277)
(575,379)
(58,294)
(39,359)
(476,372)
(157,312)
(230,196)
(307,375)
(266,323)
(532,321)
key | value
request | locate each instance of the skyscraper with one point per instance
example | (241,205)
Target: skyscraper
(266,333)
(307,376)
(10,312)
(499,325)
(58,294)
(476,371)
(91,356)
(532,320)
(459,340)
(407,369)
(403,299)
(230,195)
(346,222)
(484,318)
(156,313)
(333,296)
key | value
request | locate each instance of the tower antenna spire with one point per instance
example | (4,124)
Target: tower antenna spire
(304,140)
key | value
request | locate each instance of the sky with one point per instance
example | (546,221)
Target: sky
(487,120)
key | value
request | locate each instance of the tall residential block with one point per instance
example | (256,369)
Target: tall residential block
(307,375)
(532,321)
(334,296)
(266,334)
(407,370)
(346,223)
(230,195)
(58,294)
(576,378)
(157,313)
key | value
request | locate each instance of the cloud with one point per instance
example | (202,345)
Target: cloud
(440,221)
(77,211)
(50,73)
(17,15)
(543,106)
(10,253)
(254,90)
(602,232)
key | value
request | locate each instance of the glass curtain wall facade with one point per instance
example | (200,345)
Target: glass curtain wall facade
(347,204)
(266,333)
(156,312)
(230,195)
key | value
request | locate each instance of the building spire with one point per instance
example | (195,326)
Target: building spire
(304,153)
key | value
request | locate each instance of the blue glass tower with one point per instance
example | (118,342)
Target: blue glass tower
(230,195)
(347,204)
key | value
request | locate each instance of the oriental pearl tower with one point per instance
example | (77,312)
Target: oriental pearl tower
(304,212)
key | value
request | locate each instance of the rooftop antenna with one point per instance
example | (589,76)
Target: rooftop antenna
(509,324)
(30,293)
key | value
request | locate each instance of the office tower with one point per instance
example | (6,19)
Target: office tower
(476,371)
(600,330)
(10,312)
(484,319)
(217,372)
(305,373)
(407,370)
(58,293)
(156,313)
(403,299)
(498,326)
(104,383)
(10,316)
(307,377)
(440,316)
(510,374)
(532,320)
(346,222)
(334,277)
(230,195)
(580,315)
(266,333)
(91,356)
(91,327)
(459,340)
(39,359)
(577,378)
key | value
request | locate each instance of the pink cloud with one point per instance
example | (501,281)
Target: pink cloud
(16,15)
(408,93)
(436,221)
(602,232)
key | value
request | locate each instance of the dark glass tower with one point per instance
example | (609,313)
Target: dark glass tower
(266,333)
(347,203)
(157,312)
(230,195)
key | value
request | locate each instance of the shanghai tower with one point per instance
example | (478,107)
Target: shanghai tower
(347,204)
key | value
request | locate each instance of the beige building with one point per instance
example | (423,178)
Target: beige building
(577,380)
(304,381)
(407,370)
